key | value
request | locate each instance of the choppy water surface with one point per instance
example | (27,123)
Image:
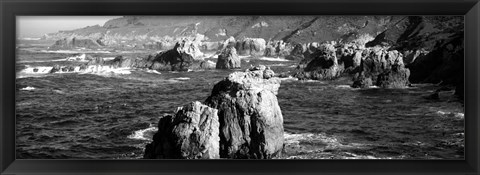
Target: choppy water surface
(112,115)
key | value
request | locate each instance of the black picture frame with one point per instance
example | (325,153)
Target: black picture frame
(10,8)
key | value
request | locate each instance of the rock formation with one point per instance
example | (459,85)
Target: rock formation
(175,59)
(228,59)
(323,66)
(277,49)
(251,122)
(251,46)
(192,133)
(382,68)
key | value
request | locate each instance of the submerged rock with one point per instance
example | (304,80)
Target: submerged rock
(192,133)
(228,59)
(251,122)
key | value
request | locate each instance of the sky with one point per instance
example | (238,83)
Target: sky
(37,26)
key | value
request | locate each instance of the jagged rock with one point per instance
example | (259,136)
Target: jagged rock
(55,68)
(228,59)
(251,122)
(296,53)
(323,66)
(385,67)
(277,49)
(173,60)
(396,77)
(189,47)
(251,46)
(230,42)
(270,51)
(192,133)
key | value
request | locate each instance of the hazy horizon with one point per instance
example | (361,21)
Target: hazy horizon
(37,26)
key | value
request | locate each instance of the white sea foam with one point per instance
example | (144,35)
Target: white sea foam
(182,78)
(143,134)
(92,69)
(272,59)
(289,78)
(77,58)
(343,87)
(153,71)
(28,88)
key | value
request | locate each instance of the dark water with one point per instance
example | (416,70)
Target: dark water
(113,115)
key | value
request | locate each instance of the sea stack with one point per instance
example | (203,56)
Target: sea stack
(251,122)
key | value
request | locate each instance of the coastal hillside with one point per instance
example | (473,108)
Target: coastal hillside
(289,28)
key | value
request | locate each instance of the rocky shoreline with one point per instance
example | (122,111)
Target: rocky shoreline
(241,119)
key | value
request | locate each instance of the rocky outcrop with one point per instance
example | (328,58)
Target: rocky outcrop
(251,122)
(175,59)
(228,59)
(75,43)
(251,46)
(277,49)
(323,66)
(297,52)
(382,68)
(192,133)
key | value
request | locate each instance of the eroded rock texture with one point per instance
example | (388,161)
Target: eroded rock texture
(192,133)
(382,68)
(251,122)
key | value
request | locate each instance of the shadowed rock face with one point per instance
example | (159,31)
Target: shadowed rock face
(192,133)
(251,122)
(228,59)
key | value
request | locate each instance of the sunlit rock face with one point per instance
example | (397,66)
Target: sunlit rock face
(251,122)
(191,133)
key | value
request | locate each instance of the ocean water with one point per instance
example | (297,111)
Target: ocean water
(112,114)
